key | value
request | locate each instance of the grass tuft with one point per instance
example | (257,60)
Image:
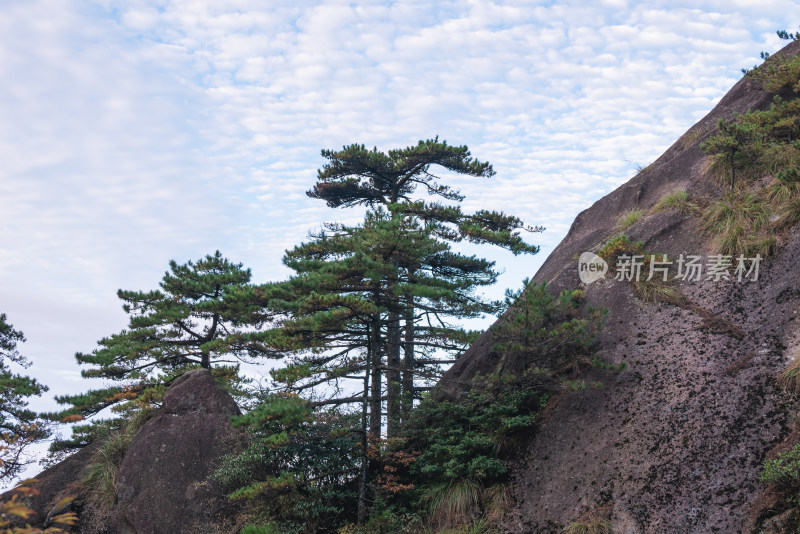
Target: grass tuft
(629,218)
(789,213)
(737,223)
(595,526)
(455,503)
(496,500)
(101,472)
(689,138)
(789,379)
(657,291)
(677,200)
(779,191)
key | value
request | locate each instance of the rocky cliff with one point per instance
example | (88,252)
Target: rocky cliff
(676,441)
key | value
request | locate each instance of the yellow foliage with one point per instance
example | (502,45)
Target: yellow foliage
(72,418)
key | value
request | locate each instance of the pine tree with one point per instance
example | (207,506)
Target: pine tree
(19,426)
(369,309)
(357,176)
(732,139)
(191,321)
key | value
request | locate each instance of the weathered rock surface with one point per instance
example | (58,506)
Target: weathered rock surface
(162,483)
(675,443)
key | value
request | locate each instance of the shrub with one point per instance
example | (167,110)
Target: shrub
(619,245)
(14,512)
(654,290)
(784,470)
(547,331)
(459,473)
(777,73)
(298,466)
(462,444)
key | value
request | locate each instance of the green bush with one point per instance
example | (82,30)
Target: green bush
(549,331)
(784,470)
(778,72)
(459,471)
(298,467)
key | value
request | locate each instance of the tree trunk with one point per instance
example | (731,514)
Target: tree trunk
(375,395)
(408,359)
(393,379)
(362,483)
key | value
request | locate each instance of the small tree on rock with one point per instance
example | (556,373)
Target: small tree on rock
(191,321)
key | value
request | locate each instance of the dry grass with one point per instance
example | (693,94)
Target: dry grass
(479,527)
(689,138)
(779,192)
(779,156)
(718,169)
(737,223)
(658,291)
(789,379)
(496,500)
(789,213)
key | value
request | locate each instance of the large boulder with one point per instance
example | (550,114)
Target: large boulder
(163,482)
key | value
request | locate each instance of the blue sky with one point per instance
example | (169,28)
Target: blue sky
(132,133)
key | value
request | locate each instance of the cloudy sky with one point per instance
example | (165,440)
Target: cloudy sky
(132,133)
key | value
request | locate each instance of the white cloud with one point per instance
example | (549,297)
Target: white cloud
(134,132)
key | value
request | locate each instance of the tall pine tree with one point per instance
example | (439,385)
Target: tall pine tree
(369,309)
(358,176)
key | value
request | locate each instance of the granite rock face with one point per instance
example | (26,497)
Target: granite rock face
(162,483)
(675,442)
